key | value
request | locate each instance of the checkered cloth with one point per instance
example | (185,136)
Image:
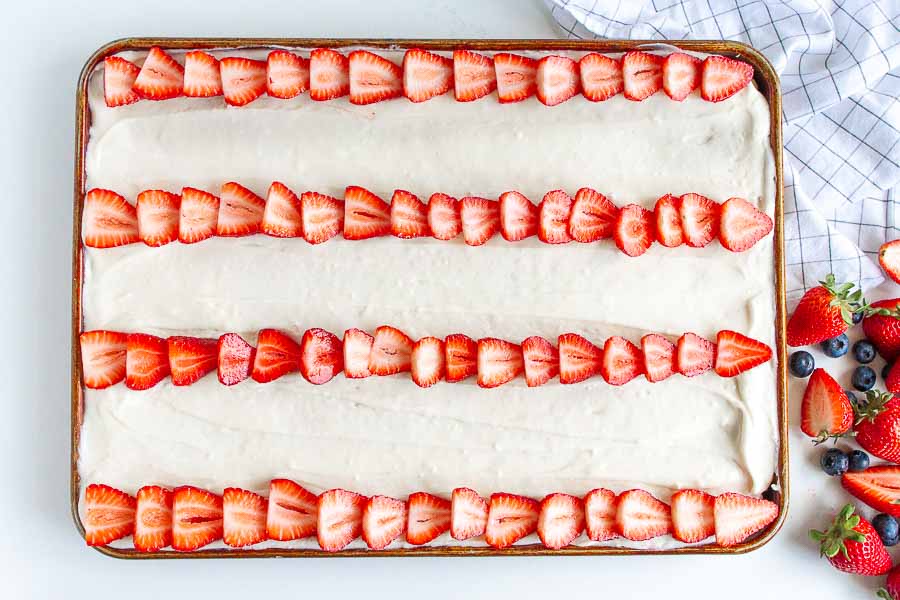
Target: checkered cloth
(840,76)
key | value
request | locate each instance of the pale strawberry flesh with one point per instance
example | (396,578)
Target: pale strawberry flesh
(146,361)
(510,518)
(659,357)
(357,346)
(515,77)
(640,516)
(426,75)
(541,361)
(383,521)
(723,77)
(499,362)
(321,356)
(634,230)
(391,352)
(202,75)
(153,519)
(118,81)
(741,225)
(444,220)
(102,358)
(243,80)
(461,357)
(108,220)
(480,219)
(287,75)
(579,359)
(196,518)
(234,359)
(738,517)
(557,79)
(107,514)
(468,514)
(600,507)
(339,519)
(240,211)
(553,216)
(160,77)
(243,518)
(322,217)
(736,353)
(373,78)
(429,517)
(601,77)
(473,76)
(561,520)
(198,217)
(281,216)
(622,361)
(694,355)
(692,516)
(365,214)
(642,74)
(276,355)
(292,511)
(191,358)
(593,216)
(518,217)
(427,361)
(329,74)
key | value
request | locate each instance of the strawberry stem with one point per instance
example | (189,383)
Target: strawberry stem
(875,404)
(843,528)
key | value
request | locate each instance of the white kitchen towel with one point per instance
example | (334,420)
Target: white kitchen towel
(839,63)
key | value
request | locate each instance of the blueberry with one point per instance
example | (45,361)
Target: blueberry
(863,379)
(887,528)
(864,351)
(857,318)
(834,462)
(886,369)
(802,363)
(836,346)
(859,460)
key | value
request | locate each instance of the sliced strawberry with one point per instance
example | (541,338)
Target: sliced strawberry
(240,211)
(640,516)
(561,520)
(292,511)
(738,517)
(243,518)
(281,217)
(518,217)
(723,77)
(443,216)
(622,361)
(695,355)
(680,75)
(634,231)
(429,517)
(468,514)
(339,519)
(742,225)
(557,79)
(357,348)
(659,357)
(276,355)
(391,351)
(428,361)
(365,214)
(888,256)
(578,358)
(642,74)
(235,359)
(593,216)
(373,78)
(198,216)
(322,216)
(243,80)
(480,219)
(600,507)
(153,519)
(202,77)
(426,75)
(160,77)
(321,356)
(461,357)
(158,213)
(108,220)
(196,518)
(541,361)
(699,219)
(510,518)
(146,361)
(287,75)
(554,213)
(878,486)
(515,77)
(102,358)
(692,516)
(383,520)
(191,358)
(329,74)
(118,81)
(825,411)
(499,361)
(409,217)
(108,514)
(668,221)
(736,353)
(473,76)
(601,77)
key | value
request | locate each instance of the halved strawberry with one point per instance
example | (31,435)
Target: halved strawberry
(292,511)
(695,355)
(373,78)
(600,506)
(541,361)
(391,351)
(723,77)
(443,216)
(191,358)
(738,517)
(276,355)
(622,361)
(196,518)
(680,75)
(736,353)
(287,75)
(877,486)
(601,77)
(429,517)
(593,216)
(640,516)
(561,520)
(515,77)
(108,514)
(365,214)
(235,359)
(553,216)
(699,219)
(158,213)
(635,230)
(281,217)
(473,76)
(510,518)
(888,257)
(322,216)
(659,357)
(108,220)
(339,518)
(153,519)
(668,221)
(198,216)
(428,363)
(499,361)
(518,217)
(102,358)
(557,79)
(468,514)
(243,518)
(329,74)
(480,219)
(118,81)
(461,357)
(202,77)
(642,74)
(146,361)
(579,359)
(409,217)
(741,225)
(383,520)
(825,411)
(240,211)
(321,356)
(243,80)
(426,75)
(160,77)
(357,348)
(692,516)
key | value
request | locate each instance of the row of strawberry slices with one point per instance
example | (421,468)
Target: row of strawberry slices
(368,78)
(161,217)
(189,518)
(144,360)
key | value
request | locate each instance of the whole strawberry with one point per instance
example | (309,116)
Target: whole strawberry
(882,327)
(891,589)
(852,545)
(878,425)
(824,312)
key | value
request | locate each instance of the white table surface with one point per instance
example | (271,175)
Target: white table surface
(41,556)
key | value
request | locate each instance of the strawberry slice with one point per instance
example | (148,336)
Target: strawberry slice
(198,216)
(877,486)
(473,76)
(329,74)
(429,517)
(741,225)
(557,79)
(515,77)
(202,77)
(292,511)
(499,361)
(468,514)
(281,217)
(322,217)
(357,348)
(541,361)
(723,77)
(634,230)
(480,219)
(561,520)
(373,78)
(695,355)
(243,518)
(409,217)
(888,257)
(518,217)
(601,77)
(593,216)
(642,74)
(553,216)
(240,211)
(426,75)
(668,221)
(276,355)
(391,351)
(339,518)
(365,214)
(692,516)
(461,357)
(622,361)
(321,356)
(158,213)
(243,80)
(443,216)
(510,518)
(234,359)
(428,362)
(738,517)
(118,81)
(825,411)
(108,220)
(578,358)
(191,358)
(680,75)
(383,520)
(108,514)
(600,507)
(287,75)
(153,519)
(160,77)
(659,357)
(640,516)
(699,219)
(146,361)
(736,353)
(196,518)
(102,358)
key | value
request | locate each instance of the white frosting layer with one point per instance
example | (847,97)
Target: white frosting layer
(385,435)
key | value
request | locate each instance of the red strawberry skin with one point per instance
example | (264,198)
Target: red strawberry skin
(825,410)
(877,486)
(815,320)
(880,435)
(882,330)
(863,556)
